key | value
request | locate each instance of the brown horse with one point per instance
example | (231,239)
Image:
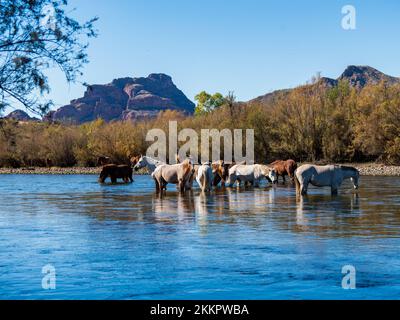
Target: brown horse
(284,168)
(116,172)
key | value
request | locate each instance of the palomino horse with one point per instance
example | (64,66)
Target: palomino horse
(250,173)
(284,168)
(324,176)
(148,162)
(175,173)
(204,177)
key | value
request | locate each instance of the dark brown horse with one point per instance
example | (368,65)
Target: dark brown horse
(284,168)
(116,172)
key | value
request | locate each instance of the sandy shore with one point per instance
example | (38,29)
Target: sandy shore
(52,170)
(366,169)
(375,169)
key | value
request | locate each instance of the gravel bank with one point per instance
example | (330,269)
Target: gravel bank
(374,169)
(366,169)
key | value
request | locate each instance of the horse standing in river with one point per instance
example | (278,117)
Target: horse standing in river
(175,173)
(116,172)
(250,174)
(204,177)
(324,176)
(284,168)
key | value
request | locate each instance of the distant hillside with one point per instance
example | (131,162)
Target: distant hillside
(20,115)
(123,99)
(357,76)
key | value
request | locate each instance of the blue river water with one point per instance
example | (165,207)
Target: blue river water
(126,242)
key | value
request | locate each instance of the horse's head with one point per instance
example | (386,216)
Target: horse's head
(217,167)
(355,179)
(273,176)
(352,173)
(141,163)
(270,174)
(134,160)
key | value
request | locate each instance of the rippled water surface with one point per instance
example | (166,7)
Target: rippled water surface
(125,242)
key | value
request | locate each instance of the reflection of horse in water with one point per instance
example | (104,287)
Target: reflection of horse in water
(201,209)
(322,212)
(324,176)
(250,201)
(166,208)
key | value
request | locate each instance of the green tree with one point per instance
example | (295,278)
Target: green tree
(36,35)
(207,102)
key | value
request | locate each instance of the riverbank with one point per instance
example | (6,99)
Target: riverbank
(366,169)
(376,169)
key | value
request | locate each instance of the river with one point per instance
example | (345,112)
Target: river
(126,242)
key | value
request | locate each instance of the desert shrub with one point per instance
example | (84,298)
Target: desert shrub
(308,123)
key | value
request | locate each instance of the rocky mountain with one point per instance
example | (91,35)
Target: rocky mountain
(20,115)
(357,76)
(125,99)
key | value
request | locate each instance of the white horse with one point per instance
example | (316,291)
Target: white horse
(323,176)
(204,177)
(251,173)
(148,162)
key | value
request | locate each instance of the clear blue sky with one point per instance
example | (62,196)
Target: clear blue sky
(251,47)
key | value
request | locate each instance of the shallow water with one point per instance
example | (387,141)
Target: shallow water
(125,242)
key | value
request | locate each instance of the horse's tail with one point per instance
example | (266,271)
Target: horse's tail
(296,181)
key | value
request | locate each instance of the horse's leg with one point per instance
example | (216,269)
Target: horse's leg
(283,177)
(181,186)
(231,180)
(158,184)
(304,187)
(216,180)
(334,189)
